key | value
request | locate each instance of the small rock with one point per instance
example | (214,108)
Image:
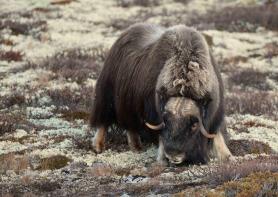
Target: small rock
(101,169)
(134,179)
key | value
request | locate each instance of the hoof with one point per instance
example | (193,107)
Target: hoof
(226,158)
(231,158)
(162,162)
(135,147)
(134,141)
(98,145)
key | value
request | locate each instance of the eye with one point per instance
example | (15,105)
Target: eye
(194,122)
(195,126)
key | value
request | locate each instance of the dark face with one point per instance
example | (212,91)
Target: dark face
(181,136)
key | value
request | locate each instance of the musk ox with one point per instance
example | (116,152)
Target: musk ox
(162,80)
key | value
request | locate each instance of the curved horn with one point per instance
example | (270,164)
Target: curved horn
(157,107)
(159,116)
(205,133)
(155,127)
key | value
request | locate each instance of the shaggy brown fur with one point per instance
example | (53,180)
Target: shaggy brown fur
(189,71)
(146,67)
(143,59)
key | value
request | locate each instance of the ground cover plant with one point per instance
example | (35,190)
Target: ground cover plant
(51,54)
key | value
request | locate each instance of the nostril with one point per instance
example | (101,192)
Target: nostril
(178,160)
(175,159)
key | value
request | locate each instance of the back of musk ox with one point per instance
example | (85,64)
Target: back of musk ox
(162,80)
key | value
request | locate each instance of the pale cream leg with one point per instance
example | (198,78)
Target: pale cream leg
(99,140)
(220,149)
(161,159)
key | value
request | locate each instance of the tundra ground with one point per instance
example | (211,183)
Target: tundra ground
(51,53)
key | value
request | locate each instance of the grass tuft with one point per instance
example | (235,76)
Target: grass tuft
(53,162)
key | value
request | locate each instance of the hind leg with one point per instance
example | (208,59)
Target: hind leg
(134,141)
(99,139)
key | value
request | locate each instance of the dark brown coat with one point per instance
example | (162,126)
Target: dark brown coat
(144,60)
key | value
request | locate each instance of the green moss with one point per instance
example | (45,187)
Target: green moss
(54,162)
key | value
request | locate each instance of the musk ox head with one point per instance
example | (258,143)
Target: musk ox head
(182,131)
(184,136)
(186,77)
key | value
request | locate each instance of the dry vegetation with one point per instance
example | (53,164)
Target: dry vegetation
(54,162)
(72,104)
(256,184)
(252,78)
(250,102)
(14,163)
(16,98)
(240,18)
(144,3)
(51,57)
(9,122)
(11,55)
(25,28)
(244,147)
(75,65)
(233,171)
